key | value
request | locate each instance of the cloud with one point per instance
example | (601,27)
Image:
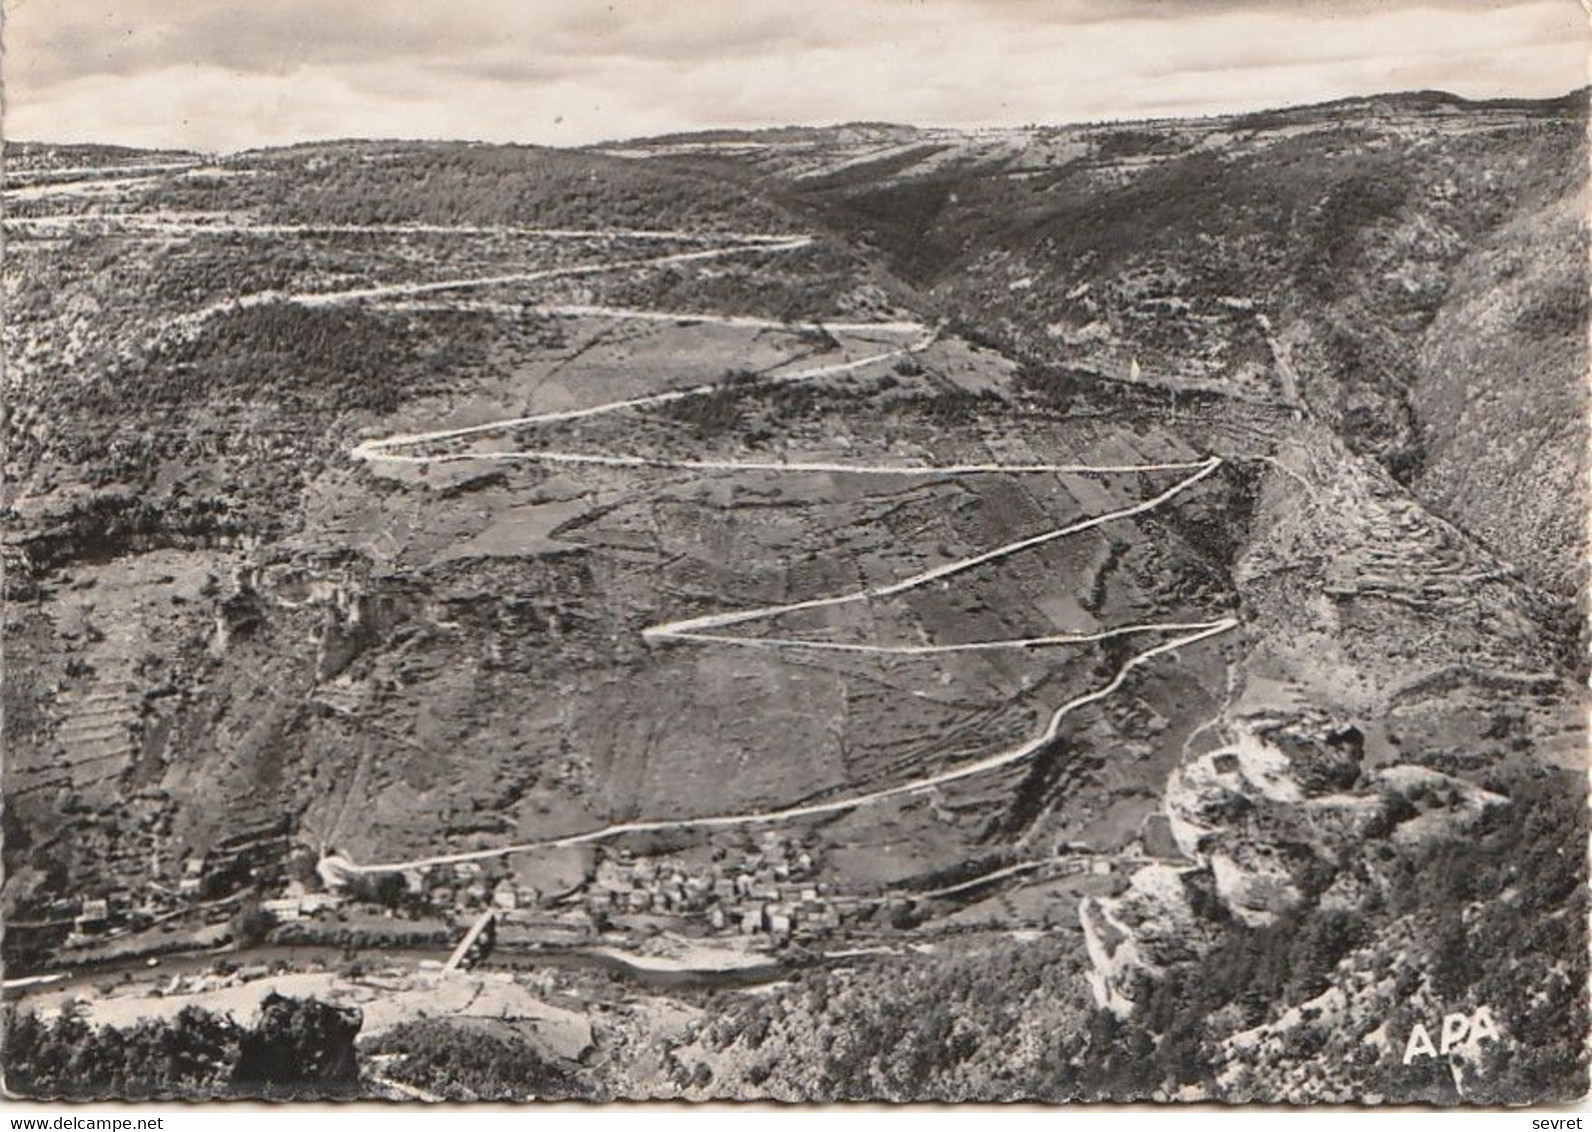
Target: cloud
(225,74)
(72,40)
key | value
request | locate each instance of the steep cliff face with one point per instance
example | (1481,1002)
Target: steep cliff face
(1501,412)
(1376,312)
(1398,695)
(230,630)
(1410,269)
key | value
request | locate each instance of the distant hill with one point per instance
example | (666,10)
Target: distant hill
(314,547)
(1337,233)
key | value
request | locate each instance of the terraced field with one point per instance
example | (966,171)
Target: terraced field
(1001,570)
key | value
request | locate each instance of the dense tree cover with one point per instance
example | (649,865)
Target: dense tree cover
(470,1063)
(1488,918)
(750,409)
(100,527)
(1504,919)
(191,1055)
(251,923)
(997,1023)
(385,889)
(716,412)
(297,1047)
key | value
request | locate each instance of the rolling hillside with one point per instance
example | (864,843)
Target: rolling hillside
(1161,540)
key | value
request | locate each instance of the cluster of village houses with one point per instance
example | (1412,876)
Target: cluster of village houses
(178,884)
(468,886)
(771,891)
(95,918)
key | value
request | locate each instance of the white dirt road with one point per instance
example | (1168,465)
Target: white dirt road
(698,630)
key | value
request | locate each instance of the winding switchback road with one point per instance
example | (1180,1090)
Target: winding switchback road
(194,320)
(412,448)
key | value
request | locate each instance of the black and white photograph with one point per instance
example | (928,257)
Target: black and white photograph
(853,551)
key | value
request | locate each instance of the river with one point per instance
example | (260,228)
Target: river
(503,958)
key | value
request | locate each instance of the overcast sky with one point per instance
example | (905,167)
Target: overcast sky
(227,74)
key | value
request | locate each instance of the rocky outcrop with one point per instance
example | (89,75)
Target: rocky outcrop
(1275,818)
(1134,937)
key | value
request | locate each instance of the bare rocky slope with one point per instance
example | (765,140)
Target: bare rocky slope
(1389,299)
(227,635)
(1402,265)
